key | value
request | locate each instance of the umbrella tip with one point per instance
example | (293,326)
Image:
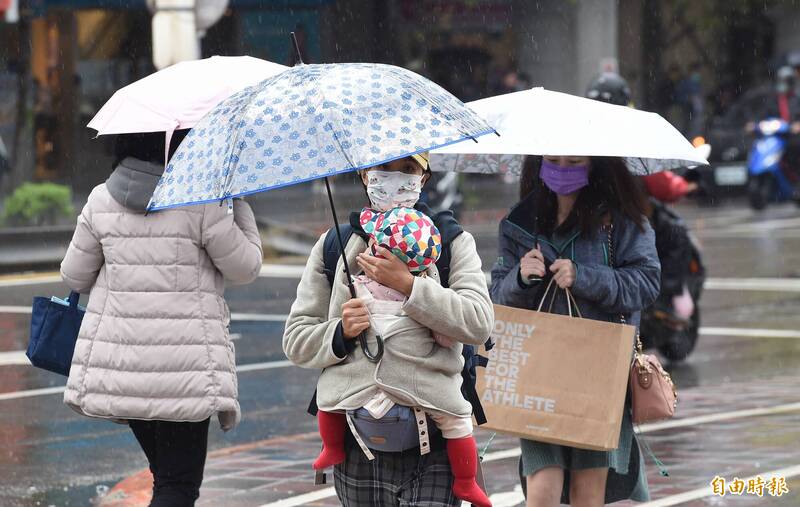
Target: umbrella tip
(293,38)
(497,133)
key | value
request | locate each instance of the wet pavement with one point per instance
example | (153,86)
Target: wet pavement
(52,456)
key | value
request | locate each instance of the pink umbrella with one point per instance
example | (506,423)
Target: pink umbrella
(179,96)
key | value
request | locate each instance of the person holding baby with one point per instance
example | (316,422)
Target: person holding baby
(424,313)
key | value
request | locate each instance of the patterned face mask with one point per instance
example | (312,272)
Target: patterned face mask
(393,189)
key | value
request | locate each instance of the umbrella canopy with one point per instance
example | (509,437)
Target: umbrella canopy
(309,122)
(179,96)
(543,122)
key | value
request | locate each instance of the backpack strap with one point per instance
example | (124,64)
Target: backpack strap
(468,374)
(443,265)
(331,252)
(330,259)
(450,229)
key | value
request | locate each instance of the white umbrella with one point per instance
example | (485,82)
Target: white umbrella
(543,122)
(179,96)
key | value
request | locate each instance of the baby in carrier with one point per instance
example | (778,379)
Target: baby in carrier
(413,238)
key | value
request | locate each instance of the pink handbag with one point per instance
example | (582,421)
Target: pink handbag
(653,394)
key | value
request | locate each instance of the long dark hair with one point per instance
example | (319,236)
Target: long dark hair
(148,146)
(611,188)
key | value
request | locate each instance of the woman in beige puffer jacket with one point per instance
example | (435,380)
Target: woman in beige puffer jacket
(154,347)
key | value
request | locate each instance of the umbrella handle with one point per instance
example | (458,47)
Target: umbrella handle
(362,338)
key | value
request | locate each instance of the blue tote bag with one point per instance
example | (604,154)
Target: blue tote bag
(55,324)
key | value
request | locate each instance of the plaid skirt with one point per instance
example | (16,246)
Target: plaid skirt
(395,479)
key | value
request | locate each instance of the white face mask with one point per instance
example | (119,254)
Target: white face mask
(393,189)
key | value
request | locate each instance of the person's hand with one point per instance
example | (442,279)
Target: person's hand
(692,186)
(795,127)
(750,127)
(532,264)
(355,318)
(563,273)
(388,270)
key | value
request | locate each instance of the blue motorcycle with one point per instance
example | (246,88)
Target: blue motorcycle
(767,175)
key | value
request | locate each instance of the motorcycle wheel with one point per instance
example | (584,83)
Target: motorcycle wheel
(682,343)
(759,191)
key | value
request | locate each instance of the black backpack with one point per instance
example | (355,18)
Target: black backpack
(449,231)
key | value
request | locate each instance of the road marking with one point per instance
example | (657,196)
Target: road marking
(242,317)
(15,357)
(269,365)
(707,491)
(34,279)
(707,221)
(676,423)
(509,499)
(267,271)
(259,317)
(765,225)
(779,234)
(753,284)
(282,270)
(738,284)
(749,333)
(31,393)
(18,357)
(23,310)
(295,271)
(722,416)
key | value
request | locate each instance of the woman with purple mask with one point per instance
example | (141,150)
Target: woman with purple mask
(581,225)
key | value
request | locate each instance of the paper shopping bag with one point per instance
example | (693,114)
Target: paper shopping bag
(557,379)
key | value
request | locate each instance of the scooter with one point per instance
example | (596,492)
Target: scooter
(660,328)
(768,181)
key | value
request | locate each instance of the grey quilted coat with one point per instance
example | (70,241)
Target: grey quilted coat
(154,343)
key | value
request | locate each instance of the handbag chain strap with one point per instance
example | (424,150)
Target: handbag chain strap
(644,365)
(639,358)
(638,346)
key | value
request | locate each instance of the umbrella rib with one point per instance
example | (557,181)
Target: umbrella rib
(250,101)
(230,176)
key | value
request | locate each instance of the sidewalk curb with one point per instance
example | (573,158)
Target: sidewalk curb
(136,490)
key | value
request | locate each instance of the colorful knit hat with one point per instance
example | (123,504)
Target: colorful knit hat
(408,233)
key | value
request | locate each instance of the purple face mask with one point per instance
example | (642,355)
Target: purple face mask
(564,180)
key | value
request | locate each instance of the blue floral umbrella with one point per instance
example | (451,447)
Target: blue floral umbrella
(309,122)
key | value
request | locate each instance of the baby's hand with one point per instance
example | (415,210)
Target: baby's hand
(443,341)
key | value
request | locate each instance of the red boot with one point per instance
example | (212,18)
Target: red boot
(463,455)
(331,429)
